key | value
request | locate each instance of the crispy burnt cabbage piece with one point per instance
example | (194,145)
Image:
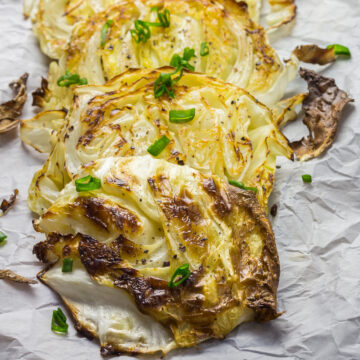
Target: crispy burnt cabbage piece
(11,276)
(322,107)
(232,134)
(5,204)
(239,51)
(12,109)
(314,54)
(126,240)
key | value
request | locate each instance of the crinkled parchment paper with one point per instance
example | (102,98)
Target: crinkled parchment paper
(317,226)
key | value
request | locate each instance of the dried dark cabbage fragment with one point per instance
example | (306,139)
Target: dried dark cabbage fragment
(314,54)
(322,107)
(41,94)
(11,276)
(7,204)
(11,110)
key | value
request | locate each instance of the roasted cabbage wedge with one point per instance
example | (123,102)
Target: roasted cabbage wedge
(128,238)
(239,51)
(53,30)
(232,134)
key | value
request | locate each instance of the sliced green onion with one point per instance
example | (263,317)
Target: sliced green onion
(251,188)
(67,265)
(182,271)
(204,49)
(181,116)
(164,18)
(3,237)
(179,62)
(105,30)
(188,54)
(307,178)
(71,79)
(241,185)
(340,49)
(60,317)
(158,146)
(165,83)
(142,31)
(87,183)
(58,322)
(175,61)
(238,184)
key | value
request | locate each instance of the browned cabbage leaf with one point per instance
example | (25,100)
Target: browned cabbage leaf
(11,276)
(314,54)
(11,110)
(322,107)
(7,204)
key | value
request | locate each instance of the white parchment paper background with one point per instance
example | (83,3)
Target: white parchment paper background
(317,227)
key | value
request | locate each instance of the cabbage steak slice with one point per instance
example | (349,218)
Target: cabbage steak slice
(127,239)
(239,51)
(232,134)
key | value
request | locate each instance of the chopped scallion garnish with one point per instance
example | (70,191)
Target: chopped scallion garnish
(105,30)
(67,265)
(3,237)
(71,79)
(165,82)
(181,116)
(164,18)
(58,322)
(142,31)
(204,49)
(340,49)
(183,62)
(87,183)
(241,185)
(182,271)
(307,178)
(158,146)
